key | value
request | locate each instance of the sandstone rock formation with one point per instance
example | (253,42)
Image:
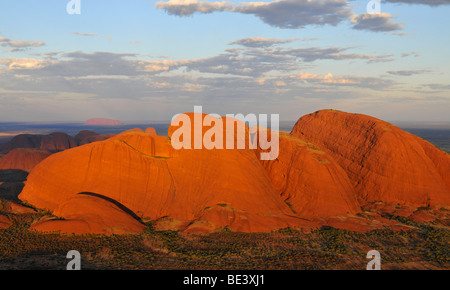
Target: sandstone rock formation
(57,141)
(85,137)
(151,131)
(310,181)
(327,168)
(23,159)
(53,142)
(22,141)
(383,162)
(86,213)
(200,190)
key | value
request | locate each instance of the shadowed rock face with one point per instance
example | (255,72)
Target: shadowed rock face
(57,142)
(383,162)
(12,183)
(53,142)
(86,137)
(22,141)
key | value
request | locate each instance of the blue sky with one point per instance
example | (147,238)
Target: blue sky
(149,60)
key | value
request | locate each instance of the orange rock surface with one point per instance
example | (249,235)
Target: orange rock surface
(151,131)
(383,162)
(332,163)
(208,132)
(145,174)
(90,214)
(23,159)
(310,181)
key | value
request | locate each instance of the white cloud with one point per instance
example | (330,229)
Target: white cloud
(377,22)
(14,63)
(84,34)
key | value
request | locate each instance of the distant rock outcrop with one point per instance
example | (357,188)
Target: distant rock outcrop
(23,158)
(53,142)
(102,122)
(56,142)
(87,137)
(84,135)
(383,162)
(22,141)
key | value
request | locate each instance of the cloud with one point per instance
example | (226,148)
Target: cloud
(413,53)
(19,45)
(279,13)
(14,63)
(400,33)
(408,72)
(189,7)
(261,42)
(376,22)
(439,87)
(311,54)
(257,57)
(423,2)
(84,34)
(355,81)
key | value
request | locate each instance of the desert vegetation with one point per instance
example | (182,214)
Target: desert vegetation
(424,247)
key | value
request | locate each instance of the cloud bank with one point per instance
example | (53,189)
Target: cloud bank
(278,13)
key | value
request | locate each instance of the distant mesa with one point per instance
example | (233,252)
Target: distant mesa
(102,122)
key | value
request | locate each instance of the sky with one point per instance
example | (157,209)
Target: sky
(150,60)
